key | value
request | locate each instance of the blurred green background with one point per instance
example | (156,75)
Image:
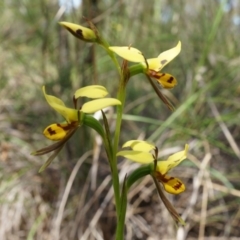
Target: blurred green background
(73,199)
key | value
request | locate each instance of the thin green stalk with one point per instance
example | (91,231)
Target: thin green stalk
(120,207)
(113,149)
(93,123)
(116,185)
(115,177)
(122,215)
(120,200)
(114,171)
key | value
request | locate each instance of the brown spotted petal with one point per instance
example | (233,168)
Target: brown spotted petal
(80,32)
(171,185)
(167,56)
(58,131)
(164,79)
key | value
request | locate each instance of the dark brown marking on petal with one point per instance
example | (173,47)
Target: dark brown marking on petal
(166,179)
(177,186)
(68,127)
(77,34)
(170,80)
(162,178)
(163,62)
(50,131)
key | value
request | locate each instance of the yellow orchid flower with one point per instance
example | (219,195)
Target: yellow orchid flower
(152,66)
(61,132)
(58,131)
(141,153)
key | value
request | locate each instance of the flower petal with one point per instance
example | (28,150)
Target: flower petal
(173,185)
(98,104)
(129,53)
(139,145)
(57,104)
(167,56)
(169,206)
(80,32)
(93,91)
(52,100)
(164,79)
(137,156)
(153,64)
(58,131)
(164,166)
(156,64)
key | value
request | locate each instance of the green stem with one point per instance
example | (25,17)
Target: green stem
(122,215)
(112,150)
(121,201)
(115,176)
(93,123)
(116,185)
